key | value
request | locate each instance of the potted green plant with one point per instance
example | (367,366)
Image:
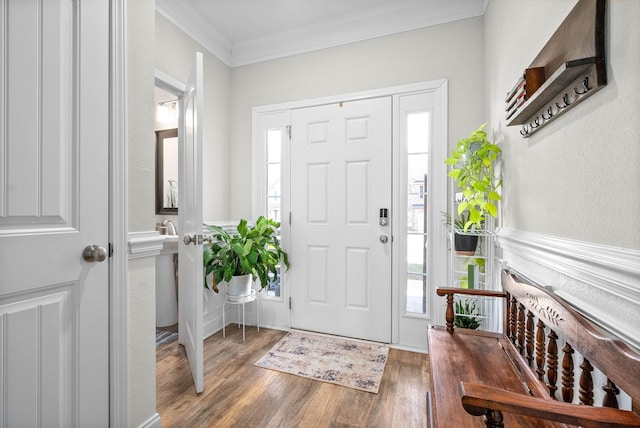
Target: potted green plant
(253,253)
(463,244)
(473,164)
(466,314)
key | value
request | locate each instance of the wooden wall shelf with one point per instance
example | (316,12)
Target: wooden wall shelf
(574,63)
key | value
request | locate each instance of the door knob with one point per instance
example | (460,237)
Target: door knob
(94,253)
(384,239)
(193,239)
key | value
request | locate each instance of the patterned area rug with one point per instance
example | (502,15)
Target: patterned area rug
(163,337)
(349,363)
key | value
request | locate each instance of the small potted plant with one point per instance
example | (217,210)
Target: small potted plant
(238,259)
(466,314)
(474,170)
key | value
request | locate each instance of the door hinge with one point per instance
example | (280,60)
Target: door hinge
(289,218)
(288,130)
(289,303)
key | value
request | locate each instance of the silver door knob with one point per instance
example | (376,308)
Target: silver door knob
(384,239)
(94,253)
(189,239)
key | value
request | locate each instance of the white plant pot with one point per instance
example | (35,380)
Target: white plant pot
(239,286)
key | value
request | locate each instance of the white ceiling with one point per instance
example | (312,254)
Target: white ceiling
(241,32)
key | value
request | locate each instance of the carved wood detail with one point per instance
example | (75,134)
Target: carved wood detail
(513,308)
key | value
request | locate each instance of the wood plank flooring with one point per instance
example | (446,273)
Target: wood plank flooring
(238,394)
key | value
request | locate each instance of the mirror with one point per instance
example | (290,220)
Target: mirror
(167,171)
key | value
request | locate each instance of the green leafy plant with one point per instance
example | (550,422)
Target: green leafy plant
(466,314)
(253,250)
(473,169)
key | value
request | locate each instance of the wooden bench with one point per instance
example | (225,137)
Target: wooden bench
(525,377)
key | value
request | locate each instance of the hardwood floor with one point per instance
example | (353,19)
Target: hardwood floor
(238,394)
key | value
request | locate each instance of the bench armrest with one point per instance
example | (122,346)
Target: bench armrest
(485,400)
(449,292)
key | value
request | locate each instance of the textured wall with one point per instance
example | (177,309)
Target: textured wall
(141,273)
(578,177)
(450,51)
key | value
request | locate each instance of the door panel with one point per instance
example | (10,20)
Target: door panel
(190,288)
(340,179)
(54,153)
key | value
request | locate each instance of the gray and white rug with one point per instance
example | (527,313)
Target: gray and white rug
(163,337)
(354,364)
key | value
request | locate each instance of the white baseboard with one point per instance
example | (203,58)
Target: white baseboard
(602,282)
(152,422)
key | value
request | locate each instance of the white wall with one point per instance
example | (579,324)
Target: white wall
(578,177)
(141,212)
(175,55)
(450,51)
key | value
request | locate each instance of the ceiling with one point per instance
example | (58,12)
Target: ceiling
(242,32)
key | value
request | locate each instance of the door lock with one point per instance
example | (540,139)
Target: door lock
(384,239)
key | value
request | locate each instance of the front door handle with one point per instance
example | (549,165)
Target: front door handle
(384,239)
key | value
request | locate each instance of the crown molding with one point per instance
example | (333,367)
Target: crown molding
(195,26)
(378,22)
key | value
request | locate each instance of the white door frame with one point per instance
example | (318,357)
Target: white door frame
(118,213)
(440,87)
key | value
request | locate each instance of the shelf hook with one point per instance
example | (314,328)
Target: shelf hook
(585,84)
(565,100)
(524,131)
(549,112)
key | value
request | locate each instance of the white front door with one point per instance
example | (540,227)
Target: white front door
(190,284)
(340,272)
(54,203)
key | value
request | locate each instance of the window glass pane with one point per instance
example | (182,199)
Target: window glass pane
(415,252)
(416,297)
(273,208)
(273,180)
(417,145)
(417,132)
(274,143)
(274,189)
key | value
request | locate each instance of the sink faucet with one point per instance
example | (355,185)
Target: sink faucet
(173,230)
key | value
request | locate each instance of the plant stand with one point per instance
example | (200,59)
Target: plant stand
(241,300)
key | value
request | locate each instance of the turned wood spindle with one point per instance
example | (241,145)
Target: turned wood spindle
(586,383)
(567,373)
(529,338)
(610,397)
(521,329)
(449,313)
(513,308)
(552,364)
(493,419)
(540,342)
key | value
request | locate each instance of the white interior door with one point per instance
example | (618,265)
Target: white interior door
(340,180)
(54,193)
(190,284)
